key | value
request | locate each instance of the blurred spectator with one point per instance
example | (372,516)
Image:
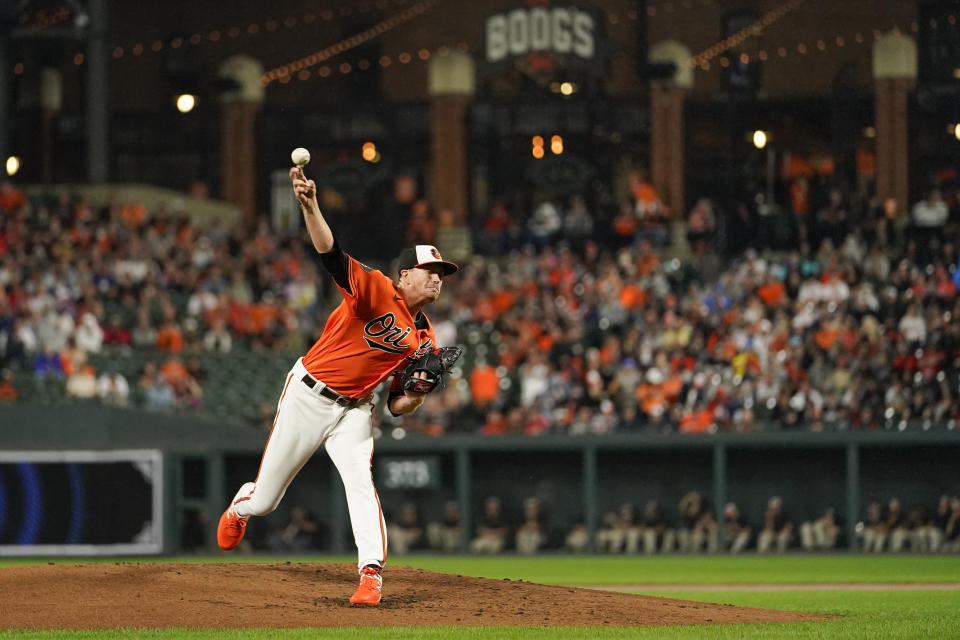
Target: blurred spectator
(202,302)
(919,525)
(831,221)
(8,387)
(498,228)
(624,226)
(951,531)
(737,533)
(927,219)
(186,388)
(112,387)
(48,364)
(115,333)
(577,224)
(491,528)
(89,334)
(17,343)
(192,342)
(577,539)
(157,392)
(777,528)
(217,338)
(646,200)
(701,226)
(820,534)
(624,532)
(301,533)
(656,531)
(11,198)
(934,533)
(407,531)
(82,381)
(545,224)
(169,336)
(531,535)
(144,334)
(444,534)
(897,525)
(484,383)
(698,527)
(608,535)
(872,531)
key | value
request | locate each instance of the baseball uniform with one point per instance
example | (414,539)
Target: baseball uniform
(326,399)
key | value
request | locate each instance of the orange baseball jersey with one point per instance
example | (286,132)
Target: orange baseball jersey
(368,336)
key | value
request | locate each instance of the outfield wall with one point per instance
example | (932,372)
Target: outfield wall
(575,477)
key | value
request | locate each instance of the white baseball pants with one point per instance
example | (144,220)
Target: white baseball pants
(305,420)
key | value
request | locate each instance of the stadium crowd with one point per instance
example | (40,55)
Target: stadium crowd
(575,323)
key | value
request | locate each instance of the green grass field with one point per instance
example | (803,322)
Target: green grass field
(891,614)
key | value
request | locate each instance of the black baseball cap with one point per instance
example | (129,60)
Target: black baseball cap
(421,256)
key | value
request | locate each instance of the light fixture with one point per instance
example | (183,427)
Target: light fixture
(567,88)
(870,132)
(956,131)
(186,102)
(759,139)
(370,153)
(13,165)
(556,145)
(537,147)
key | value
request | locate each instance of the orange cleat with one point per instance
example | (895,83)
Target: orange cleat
(370,587)
(230,530)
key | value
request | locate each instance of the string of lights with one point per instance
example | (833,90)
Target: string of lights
(346,67)
(802,48)
(43,19)
(765,21)
(268,25)
(356,40)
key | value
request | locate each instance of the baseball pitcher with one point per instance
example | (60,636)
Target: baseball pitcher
(378,330)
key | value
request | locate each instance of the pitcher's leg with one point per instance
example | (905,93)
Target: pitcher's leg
(350,446)
(297,432)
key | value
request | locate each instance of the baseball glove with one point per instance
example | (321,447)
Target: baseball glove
(434,365)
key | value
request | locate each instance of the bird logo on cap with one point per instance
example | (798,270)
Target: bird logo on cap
(435,253)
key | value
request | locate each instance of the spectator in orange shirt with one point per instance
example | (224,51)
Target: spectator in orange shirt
(8,387)
(11,198)
(484,384)
(772,292)
(174,371)
(169,337)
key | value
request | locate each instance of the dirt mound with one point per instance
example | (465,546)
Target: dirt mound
(285,595)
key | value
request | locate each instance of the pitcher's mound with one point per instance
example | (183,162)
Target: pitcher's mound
(285,595)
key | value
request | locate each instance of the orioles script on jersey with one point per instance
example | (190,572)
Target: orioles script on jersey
(368,336)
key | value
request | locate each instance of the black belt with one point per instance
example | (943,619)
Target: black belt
(330,394)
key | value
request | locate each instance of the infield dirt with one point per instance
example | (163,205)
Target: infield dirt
(288,595)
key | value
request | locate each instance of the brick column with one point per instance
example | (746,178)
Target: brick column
(448,152)
(667,138)
(667,160)
(894,73)
(451,80)
(238,149)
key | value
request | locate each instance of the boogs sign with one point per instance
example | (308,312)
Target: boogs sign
(570,32)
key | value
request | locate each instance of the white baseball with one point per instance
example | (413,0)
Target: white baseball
(300,156)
